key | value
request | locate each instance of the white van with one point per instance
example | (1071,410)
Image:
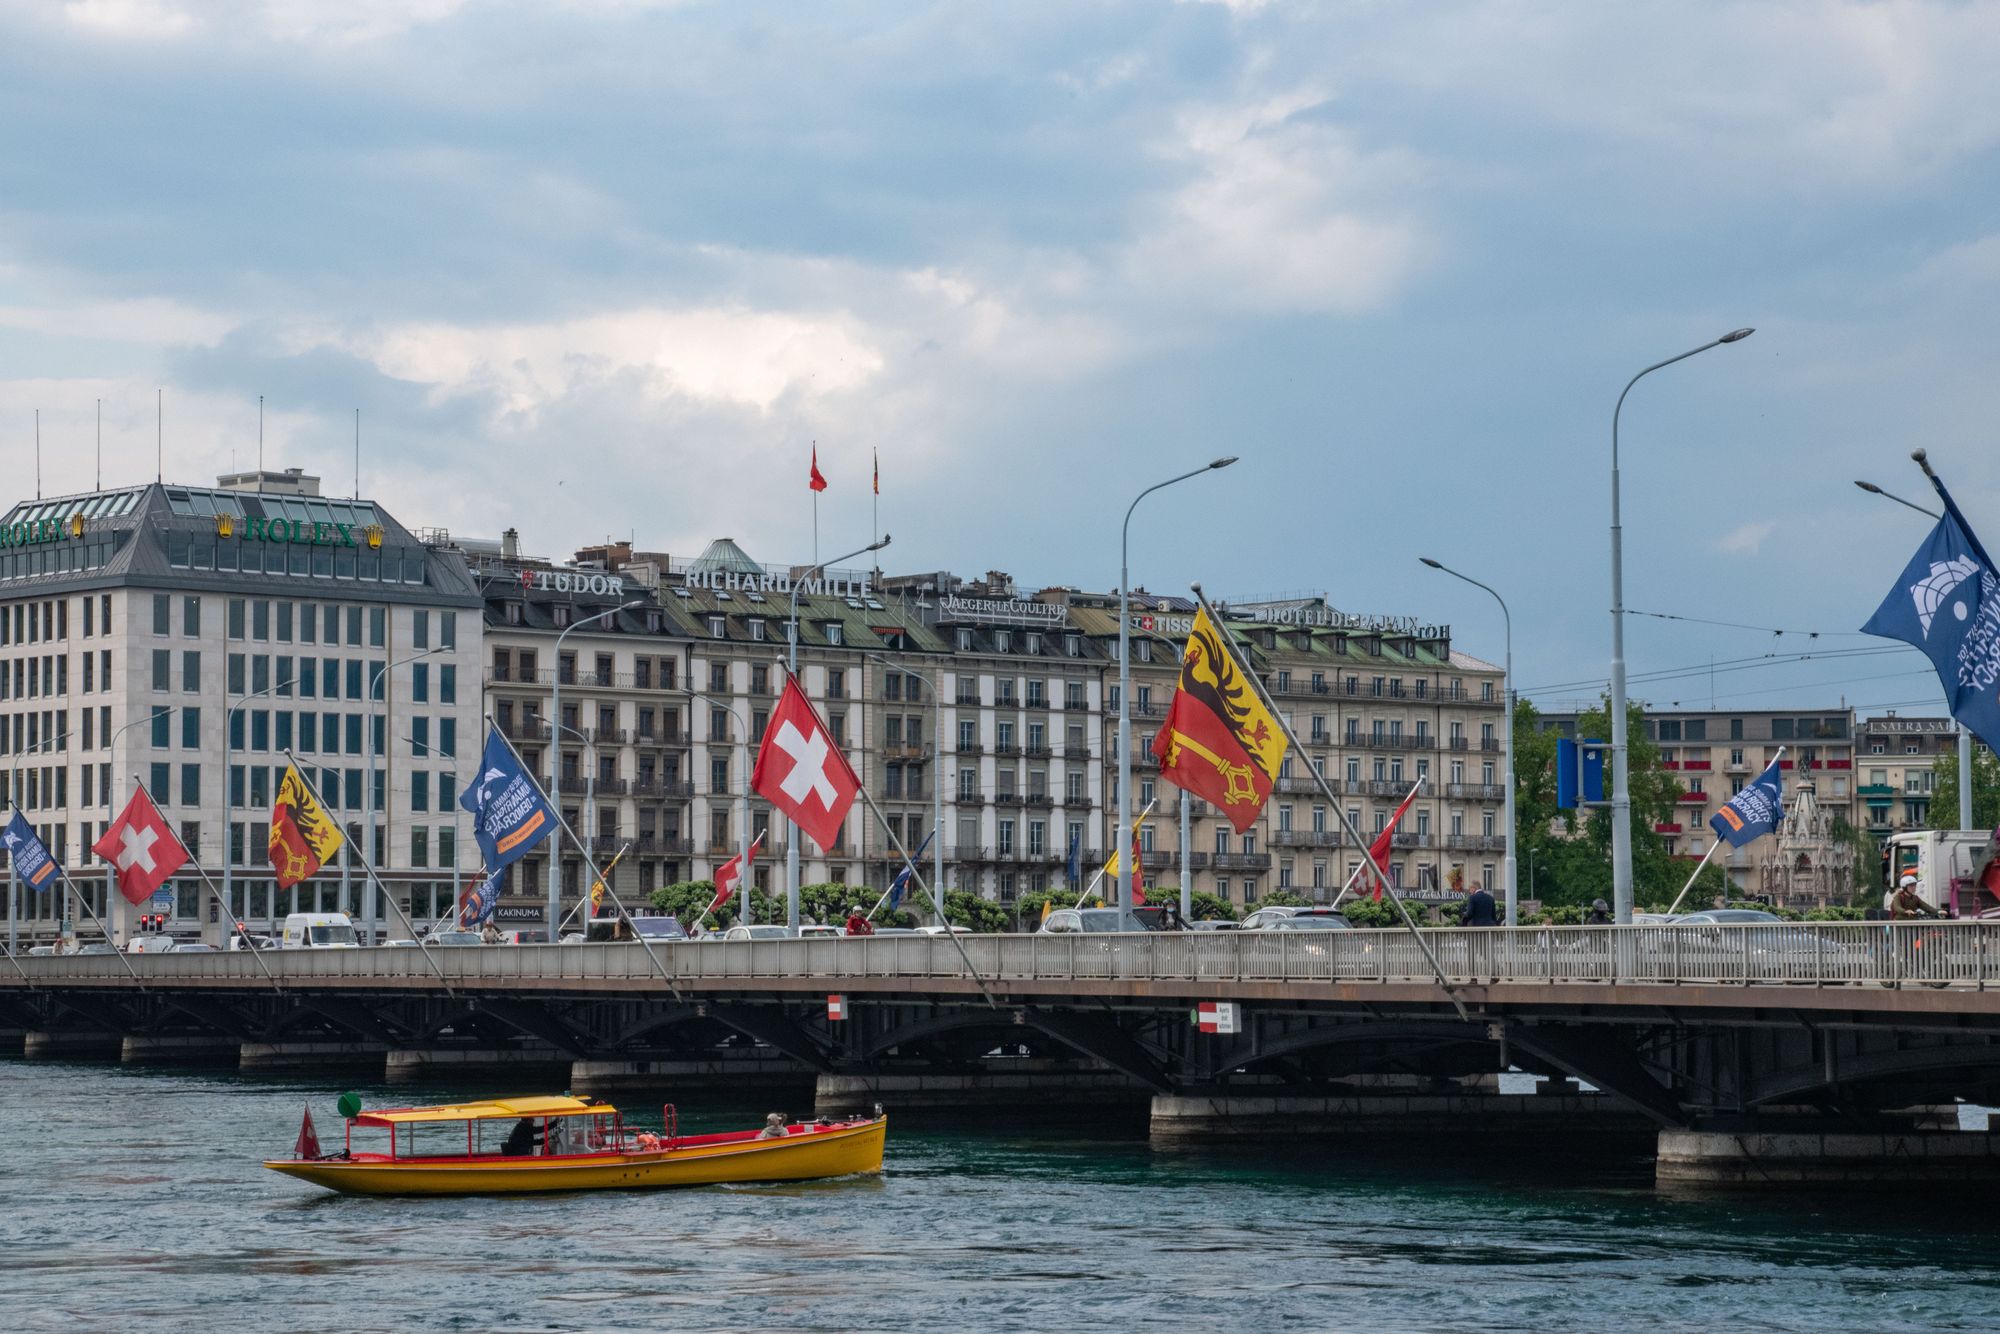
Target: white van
(318,931)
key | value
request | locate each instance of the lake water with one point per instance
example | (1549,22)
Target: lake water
(133,1199)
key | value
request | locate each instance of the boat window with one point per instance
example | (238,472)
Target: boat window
(332,935)
(555,1139)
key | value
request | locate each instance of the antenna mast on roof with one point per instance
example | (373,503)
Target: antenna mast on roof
(38,453)
(159,435)
(357,453)
(100,444)
(260,442)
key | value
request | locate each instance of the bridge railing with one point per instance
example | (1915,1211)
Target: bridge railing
(1819,953)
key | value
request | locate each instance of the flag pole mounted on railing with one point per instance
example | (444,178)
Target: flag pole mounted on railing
(1226,644)
(1111,865)
(1745,817)
(1378,851)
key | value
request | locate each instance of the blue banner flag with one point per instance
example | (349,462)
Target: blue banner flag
(32,864)
(1947,603)
(509,813)
(1753,812)
(477,910)
(901,884)
(1076,857)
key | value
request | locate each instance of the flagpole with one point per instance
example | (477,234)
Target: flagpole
(1227,639)
(223,899)
(371,878)
(1117,853)
(555,809)
(1368,855)
(1712,847)
(917,879)
(78,891)
(609,867)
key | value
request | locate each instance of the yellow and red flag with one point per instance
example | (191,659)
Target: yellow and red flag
(303,837)
(1219,742)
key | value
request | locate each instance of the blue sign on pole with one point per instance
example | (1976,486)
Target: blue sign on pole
(163,900)
(1593,770)
(1579,773)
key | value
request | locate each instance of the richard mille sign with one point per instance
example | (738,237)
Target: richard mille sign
(733,581)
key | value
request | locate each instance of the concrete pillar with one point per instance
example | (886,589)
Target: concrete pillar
(1187,1118)
(179,1049)
(1021,1086)
(312,1056)
(531,1066)
(58,1045)
(1785,1155)
(760,1073)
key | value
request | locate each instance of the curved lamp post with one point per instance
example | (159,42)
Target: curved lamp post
(1124,832)
(1621,787)
(555,739)
(1507,693)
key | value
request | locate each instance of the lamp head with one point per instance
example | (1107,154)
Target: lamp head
(1428,561)
(1870,488)
(1736,336)
(1223,463)
(1918,455)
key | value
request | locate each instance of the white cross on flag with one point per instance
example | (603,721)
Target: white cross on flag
(729,876)
(801,771)
(142,849)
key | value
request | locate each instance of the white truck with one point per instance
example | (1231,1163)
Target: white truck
(1950,864)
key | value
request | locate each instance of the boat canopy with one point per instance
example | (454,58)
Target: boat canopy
(493,1109)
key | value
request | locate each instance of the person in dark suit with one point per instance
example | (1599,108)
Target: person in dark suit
(1479,910)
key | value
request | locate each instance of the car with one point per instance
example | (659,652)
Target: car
(195,947)
(150,944)
(1729,917)
(1100,921)
(925,930)
(812,930)
(1214,924)
(574,938)
(759,931)
(658,928)
(99,947)
(1309,922)
(40,951)
(244,941)
(319,931)
(399,944)
(1655,918)
(452,937)
(1263,917)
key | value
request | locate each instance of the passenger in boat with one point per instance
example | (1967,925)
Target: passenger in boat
(774,1126)
(858,923)
(520,1141)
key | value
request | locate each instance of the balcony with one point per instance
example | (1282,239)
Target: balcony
(1692,799)
(1667,829)
(1387,787)
(1877,791)
(1035,752)
(1491,745)
(671,845)
(1006,748)
(1476,791)
(1242,861)
(1040,799)
(1006,798)
(1076,752)
(1033,703)
(967,701)
(904,751)
(971,748)
(1306,838)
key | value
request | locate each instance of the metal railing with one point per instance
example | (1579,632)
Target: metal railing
(1954,954)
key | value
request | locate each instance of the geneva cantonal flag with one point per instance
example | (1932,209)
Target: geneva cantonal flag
(303,836)
(1219,742)
(1947,603)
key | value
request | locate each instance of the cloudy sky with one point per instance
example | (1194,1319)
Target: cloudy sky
(610,267)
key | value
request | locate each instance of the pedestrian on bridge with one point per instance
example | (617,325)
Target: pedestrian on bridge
(1479,908)
(1599,914)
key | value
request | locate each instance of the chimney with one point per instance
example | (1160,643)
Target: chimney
(510,544)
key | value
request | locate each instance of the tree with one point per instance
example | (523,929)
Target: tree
(963,909)
(1283,898)
(1570,850)
(1985,789)
(1208,907)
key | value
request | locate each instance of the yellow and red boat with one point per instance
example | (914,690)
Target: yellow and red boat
(512,1145)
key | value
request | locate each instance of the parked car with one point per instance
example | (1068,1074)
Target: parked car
(99,947)
(813,930)
(1101,921)
(1309,922)
(1212,924)
(151,944)
(758,931)
(1263,917)
(244,941)
(1729,917)
(658,928)
(40,951)
(452,937)
(195,947)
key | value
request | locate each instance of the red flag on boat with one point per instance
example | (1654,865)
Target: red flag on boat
(1378,851)
(818,482)
(308,1145)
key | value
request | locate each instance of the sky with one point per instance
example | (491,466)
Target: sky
(613,268)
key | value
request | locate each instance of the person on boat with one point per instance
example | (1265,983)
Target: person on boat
(858,923)
(774,1126)
(520,1141)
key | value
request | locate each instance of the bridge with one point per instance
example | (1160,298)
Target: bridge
(1748,1053)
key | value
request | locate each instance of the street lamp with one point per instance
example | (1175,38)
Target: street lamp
(555,719)
(1621,787)
(792,666)
(1124,831)
(1964,734)
(1507,691)
(937,784)
(369,850)
(229,797)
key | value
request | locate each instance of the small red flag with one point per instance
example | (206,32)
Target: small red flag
(1138,874)
(818,482)
(141,848)
(729,876)
(308,1142)
(1378,851)
(801,771)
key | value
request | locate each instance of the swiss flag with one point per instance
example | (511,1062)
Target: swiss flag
(1378,851)
(729,876)
(142,849)
(801,771)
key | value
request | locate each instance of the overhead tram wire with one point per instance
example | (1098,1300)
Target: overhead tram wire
(1805,685)
(1761,629)
(1726,665)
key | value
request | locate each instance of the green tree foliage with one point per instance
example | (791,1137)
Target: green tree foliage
(686,899)
(1985,789)
(1283,898)
(969,910)
(1028,907)
(1362,910)
(1570,850)
(1208,907)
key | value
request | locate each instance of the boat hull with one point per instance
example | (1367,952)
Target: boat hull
(842,1151)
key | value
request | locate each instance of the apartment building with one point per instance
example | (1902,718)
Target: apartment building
(1895,758)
